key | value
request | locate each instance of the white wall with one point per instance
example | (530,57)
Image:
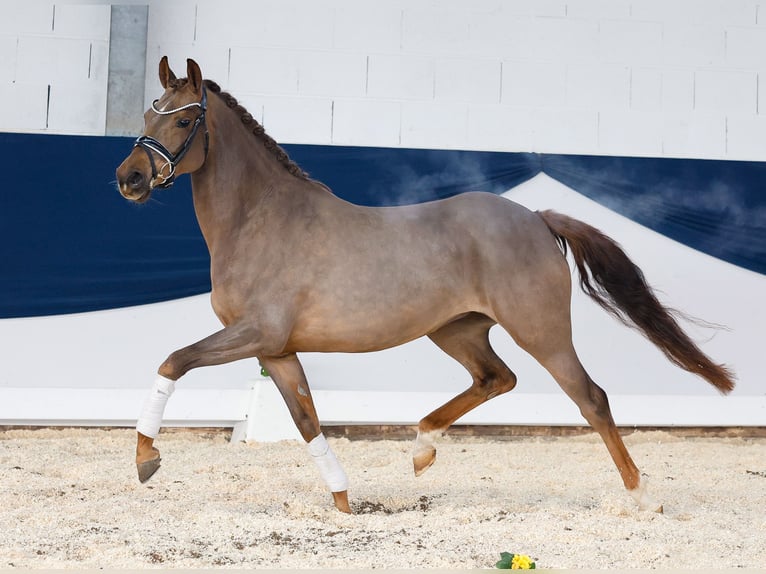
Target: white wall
(662,78)
(665,78)
(54,61)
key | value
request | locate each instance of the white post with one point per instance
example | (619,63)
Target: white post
(267,418)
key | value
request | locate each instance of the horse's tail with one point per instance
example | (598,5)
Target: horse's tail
(613,281)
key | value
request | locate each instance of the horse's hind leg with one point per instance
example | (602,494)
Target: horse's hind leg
(594,407)
(467,341)
(538,318)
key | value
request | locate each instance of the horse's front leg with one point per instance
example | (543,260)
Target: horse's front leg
(230,344)
(288,375)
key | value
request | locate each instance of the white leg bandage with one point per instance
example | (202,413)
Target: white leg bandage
(151,416)
(328,465)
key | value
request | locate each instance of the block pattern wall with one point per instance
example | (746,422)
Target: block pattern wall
(54,61)
(664,78)
(675,78)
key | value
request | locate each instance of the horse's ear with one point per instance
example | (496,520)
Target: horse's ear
(194,74)
(166,74)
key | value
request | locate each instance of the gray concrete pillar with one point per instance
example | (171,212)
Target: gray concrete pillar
(127,70)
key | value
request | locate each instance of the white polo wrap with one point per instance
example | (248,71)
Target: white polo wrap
(328,465)
(151,416)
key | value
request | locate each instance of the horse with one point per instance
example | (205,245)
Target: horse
(294,268)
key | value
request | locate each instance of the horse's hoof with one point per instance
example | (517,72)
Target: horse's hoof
(147,469)
(341,501)
(423,459)
(645,502)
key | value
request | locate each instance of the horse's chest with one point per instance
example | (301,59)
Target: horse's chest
(229,297)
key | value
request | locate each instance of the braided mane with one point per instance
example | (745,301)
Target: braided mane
(257,129)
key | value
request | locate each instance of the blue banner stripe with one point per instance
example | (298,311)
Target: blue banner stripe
(71,243)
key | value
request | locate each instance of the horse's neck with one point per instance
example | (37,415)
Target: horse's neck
(239,178)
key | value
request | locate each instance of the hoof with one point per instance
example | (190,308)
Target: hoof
(423,459)
(644,500)
(147,469)
(341,501)
(147,457)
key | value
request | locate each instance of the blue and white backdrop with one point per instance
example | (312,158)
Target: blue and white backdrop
(643,118)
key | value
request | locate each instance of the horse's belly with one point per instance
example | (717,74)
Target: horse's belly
(363,331)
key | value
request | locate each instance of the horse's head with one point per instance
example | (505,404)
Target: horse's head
(175,138)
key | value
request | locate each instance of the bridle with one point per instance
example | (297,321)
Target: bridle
(149,144)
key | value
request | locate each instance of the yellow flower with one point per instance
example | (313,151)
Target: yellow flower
(521,562)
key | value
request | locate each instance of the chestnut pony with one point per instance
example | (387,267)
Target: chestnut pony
(296,269)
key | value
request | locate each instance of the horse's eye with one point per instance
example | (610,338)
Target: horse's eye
(183,123)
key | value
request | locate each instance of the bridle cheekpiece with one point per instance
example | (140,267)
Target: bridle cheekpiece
(149,144)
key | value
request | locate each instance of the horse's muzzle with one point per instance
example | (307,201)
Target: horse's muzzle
(133,184)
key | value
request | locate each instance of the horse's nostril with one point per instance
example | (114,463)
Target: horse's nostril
(135,179)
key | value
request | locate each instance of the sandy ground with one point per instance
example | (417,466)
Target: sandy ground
(70,499)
